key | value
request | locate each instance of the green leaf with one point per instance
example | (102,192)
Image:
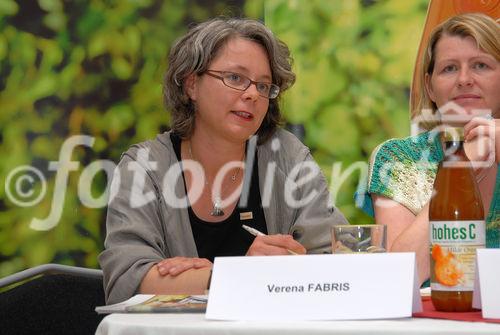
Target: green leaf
(8,8)
(50,5)
(121,68)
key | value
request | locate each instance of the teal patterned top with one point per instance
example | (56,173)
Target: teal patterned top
(404,170)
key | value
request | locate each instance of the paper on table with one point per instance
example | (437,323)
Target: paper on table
(486,290)
(150,303)
(168,303)
(121,306)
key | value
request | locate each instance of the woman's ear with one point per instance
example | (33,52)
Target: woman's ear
(190,86)
(428,87)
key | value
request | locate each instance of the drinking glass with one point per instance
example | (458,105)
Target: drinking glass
(370,238)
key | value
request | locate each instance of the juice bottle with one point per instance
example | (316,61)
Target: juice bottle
(457,228)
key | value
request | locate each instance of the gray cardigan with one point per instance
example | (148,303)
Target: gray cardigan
(137,238)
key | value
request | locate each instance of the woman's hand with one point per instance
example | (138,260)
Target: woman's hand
(275,245)
(482,141)
(177,265)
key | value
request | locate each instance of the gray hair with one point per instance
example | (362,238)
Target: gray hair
(193,53)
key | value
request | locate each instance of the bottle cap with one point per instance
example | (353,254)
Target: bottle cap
(454,134)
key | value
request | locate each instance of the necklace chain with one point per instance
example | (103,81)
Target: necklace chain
(217,201)
(481,175)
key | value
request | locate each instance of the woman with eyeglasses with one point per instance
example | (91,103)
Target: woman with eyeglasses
(181,200)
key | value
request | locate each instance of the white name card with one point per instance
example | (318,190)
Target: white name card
(314,287)
(486,289)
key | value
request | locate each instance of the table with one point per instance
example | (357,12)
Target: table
(193,324)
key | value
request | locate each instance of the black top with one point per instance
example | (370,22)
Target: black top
(226,238)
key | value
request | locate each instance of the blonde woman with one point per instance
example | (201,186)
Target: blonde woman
(460,75)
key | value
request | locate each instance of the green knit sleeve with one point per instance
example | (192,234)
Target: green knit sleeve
(404,169)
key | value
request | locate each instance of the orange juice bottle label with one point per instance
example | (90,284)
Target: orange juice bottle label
(453,253)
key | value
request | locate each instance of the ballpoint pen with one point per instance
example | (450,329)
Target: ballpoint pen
(255,232)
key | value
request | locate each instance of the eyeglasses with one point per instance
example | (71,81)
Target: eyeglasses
(242,83)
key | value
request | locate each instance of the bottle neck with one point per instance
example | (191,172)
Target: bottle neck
(454,151)
(454,145)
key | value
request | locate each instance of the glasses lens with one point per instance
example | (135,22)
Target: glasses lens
(274,90)
(267,90)
(240,82)
(235,80)
(263,88)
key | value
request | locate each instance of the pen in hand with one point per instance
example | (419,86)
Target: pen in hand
(255,232)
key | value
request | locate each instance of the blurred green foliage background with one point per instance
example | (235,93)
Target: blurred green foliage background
(95,68)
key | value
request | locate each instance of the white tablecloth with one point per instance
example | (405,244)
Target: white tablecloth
(193,324)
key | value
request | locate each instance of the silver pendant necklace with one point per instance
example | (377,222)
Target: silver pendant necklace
(217,207)
(217,200)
